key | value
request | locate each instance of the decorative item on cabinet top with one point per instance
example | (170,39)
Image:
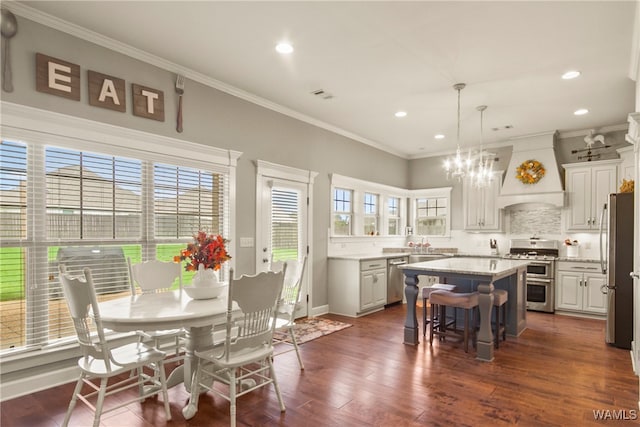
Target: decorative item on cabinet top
(627,186)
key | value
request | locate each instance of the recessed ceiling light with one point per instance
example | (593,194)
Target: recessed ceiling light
(581,112)
(401,114)
(284,48)
(439,136)
(571,75)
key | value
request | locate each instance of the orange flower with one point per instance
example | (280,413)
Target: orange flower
(206,249)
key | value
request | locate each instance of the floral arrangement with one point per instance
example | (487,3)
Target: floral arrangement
(530,172)
(569,242)
(627,186)
(207,249)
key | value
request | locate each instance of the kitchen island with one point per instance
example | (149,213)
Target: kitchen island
(472,274)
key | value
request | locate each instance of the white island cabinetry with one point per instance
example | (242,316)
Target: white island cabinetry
(357,287)
(579,288)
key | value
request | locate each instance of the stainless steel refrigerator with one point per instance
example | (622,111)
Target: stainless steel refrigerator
(617,262)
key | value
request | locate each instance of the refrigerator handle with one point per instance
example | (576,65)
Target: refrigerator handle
(603,260)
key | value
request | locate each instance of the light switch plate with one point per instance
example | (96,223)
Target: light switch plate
(246,242)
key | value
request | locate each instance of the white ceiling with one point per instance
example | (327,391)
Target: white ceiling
(376,58)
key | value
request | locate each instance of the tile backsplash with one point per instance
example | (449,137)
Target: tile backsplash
(536,221)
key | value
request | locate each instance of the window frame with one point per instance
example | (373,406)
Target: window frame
(348,213)
(391,217)
(359,188)
(371,199)
(40,129)
(431,193)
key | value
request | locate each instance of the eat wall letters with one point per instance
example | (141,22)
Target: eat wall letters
(106,91)
(148,102)
(57,77)
(61,78)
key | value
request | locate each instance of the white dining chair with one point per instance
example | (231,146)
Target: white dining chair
(285,317)
(158,276)
(104,363)
(244,361)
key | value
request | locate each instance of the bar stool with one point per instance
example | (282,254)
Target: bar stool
(500,298)
(425,297)
(444,299)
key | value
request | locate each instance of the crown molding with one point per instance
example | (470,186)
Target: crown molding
(141,55)
(585,132)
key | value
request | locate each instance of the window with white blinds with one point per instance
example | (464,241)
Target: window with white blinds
(91,209)
(285,224)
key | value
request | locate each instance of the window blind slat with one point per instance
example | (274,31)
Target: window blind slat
(94,210)
(285,224)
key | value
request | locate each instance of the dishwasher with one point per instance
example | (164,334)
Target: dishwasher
(395,279)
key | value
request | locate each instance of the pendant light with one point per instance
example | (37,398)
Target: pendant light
(457,167)
(482,172)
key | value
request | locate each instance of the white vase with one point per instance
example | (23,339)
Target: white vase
(205,277)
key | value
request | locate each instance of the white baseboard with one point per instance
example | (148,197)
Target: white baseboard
(319,311)
(32,384)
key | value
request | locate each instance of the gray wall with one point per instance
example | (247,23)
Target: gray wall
(429,173)
(564,147)
(214,118)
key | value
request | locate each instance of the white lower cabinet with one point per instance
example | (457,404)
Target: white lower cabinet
(579,288)
(357,287)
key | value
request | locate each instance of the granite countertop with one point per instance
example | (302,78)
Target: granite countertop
(567,259)
(367,257)
(387,255)
(477,255)
(470,265)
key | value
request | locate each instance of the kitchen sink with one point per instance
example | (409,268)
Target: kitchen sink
(426,257)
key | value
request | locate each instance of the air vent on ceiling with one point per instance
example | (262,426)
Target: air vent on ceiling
(499,128)
(322,94)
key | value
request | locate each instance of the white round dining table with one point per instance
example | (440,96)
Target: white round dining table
(169,310)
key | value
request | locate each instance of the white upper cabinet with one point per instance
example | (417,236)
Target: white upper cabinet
(626,169)
(481,212)
(588,186)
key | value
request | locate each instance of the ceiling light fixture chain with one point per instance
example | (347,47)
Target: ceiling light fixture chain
(482,173)
(456,167)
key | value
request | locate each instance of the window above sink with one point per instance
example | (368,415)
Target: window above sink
(362,208)
(431,212)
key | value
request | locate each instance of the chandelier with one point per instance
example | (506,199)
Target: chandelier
(478,167)
(457,167)
(481,173)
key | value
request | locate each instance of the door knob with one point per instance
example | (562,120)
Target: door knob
(634,275)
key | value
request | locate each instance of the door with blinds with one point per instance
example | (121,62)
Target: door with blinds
(283,234)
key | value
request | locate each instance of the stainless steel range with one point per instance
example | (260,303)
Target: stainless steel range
(541,271)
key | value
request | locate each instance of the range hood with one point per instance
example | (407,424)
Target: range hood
(548,189)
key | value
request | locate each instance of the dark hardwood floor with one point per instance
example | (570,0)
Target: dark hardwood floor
(557,373)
